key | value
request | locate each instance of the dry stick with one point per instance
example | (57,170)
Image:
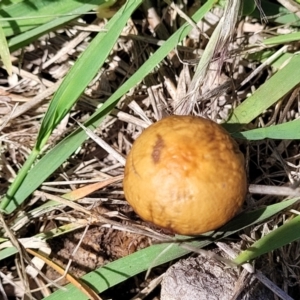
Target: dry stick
(26,74)
(288,105)
(23,255)
(4,121)
(217,44)
(259,275)
(255,189)
(32,103)
(122,116)
(31,76)
(149,288)
(284,165)
(73,254)
(9,280)
(81,285)
(185,17)
(209,254)
(70,46)
(156,111)
(154,20)
(145,39)
(51,86)
(103,144)
(139,111)
(273,190)
(264,64)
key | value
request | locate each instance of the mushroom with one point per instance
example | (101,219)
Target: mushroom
(185,174)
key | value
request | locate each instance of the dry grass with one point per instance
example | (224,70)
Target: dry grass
(24,98)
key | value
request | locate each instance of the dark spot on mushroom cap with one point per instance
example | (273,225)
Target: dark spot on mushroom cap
(159,145)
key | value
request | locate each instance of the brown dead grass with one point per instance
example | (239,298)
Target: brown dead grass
(25,96)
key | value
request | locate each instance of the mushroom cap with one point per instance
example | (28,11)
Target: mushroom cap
(185,174)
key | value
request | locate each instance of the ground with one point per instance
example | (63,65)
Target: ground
(24,99)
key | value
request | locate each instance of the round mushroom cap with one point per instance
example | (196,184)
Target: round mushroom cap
(185,174)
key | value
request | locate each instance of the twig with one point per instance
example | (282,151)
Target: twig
(273,190)
(149,288)
(264,64)
(103,144)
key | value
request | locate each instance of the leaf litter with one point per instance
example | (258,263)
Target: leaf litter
(25,95)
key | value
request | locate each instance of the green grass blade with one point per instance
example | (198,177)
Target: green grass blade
(277,64)
(7,252)
(54,158)
(120,270)
(124,268)
(285,234)
(268,93)
(4,52)
(155,59)
(71,88)
(83,72)
(9,198)
(27,37)
(26,15)
(282,39)
(286,131)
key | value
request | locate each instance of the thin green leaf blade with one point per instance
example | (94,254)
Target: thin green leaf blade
(282,39)
(285,131)
(285,234)
(83,72)
(4,52)
(268,93)
(25,38)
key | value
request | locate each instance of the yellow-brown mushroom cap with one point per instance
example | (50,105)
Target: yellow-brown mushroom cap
(186,174)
